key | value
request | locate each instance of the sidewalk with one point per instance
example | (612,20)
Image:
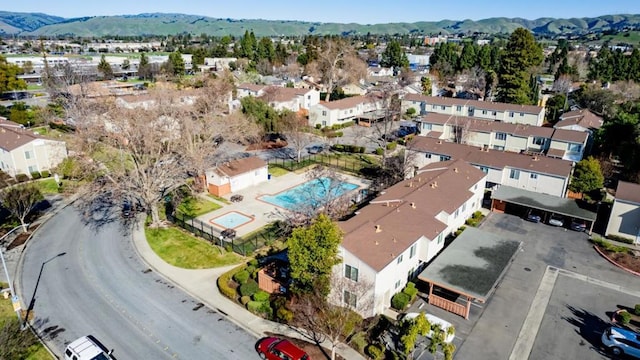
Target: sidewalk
(201,284)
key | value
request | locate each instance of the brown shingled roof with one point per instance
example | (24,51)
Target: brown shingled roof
(493,158)
(281,94)
(13,135)
(346,103)
(477,104)
(484,125)
(240,166)
(384,229)
(628,191)
(570,136)
(583,117)
(251,87)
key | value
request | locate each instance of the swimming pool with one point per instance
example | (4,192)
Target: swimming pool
(314,193)
(231,220)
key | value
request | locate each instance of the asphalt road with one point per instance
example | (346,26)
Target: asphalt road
(82,280)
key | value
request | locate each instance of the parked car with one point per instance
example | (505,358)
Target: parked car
(556,220)
(533,217)
(621,341)
(316,149)
(87,348)
(577,225)
(273,348)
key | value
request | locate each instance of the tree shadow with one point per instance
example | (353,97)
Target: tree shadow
(590,327)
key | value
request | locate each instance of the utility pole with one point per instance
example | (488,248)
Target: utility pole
(15,300)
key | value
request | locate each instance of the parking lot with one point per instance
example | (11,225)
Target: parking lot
(572,316)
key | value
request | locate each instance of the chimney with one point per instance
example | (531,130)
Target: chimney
(455,170)
(535,158)
(378,228)
(413,205)
(377,243)
(411,184)
(435,184)
(439,141)
(394,240)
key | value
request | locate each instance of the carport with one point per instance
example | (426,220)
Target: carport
(468,270)
(548,204)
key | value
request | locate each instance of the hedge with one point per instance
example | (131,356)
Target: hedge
(225,279)
(375,352)
(411,291)
(621,239)
(241,277)
(392,145)
(261,295)
(400,300)
(45,173)
(625,317)
(348,148)
(636,310)
(260,307)
(249,288)
(244,300)
(22,178)
(35,175)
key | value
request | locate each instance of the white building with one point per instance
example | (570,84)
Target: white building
(235,175)
(24,152)
(344,110)
(390,240)
(624,220)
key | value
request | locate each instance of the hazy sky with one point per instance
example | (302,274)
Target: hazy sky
(343,11)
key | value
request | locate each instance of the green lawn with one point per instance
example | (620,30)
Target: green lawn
(218,198)
(276,171)
(47,186)
(196,206)
(188,252)
(33,352)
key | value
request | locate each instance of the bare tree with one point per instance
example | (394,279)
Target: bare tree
(154,148)
(297,131)
(476,80)
(338,64)
(337,316)
(562,85)
(20,200)
(461,126)
(388,104)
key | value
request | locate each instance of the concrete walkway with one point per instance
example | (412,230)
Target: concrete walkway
(201,284)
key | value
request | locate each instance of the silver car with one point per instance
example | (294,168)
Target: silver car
(621,341)
(556,220)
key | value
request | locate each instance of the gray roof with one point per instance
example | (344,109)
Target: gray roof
(472,264)
(544,202)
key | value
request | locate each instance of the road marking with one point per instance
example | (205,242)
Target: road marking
(598,282)
(529,330)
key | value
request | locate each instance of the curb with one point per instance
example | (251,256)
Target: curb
(177,285)
(614,262)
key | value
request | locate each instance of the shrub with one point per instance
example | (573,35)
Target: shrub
(260,307)
(241,277)
(625,317)
(22,178)
(477,215)
(379,151)
(374,351)
(411,291)
(244,300)
(471,222)
(359,341)
(253,262)
(249,288)
(35,175)
(252,271)
(411,111)
(459,231)
(225,279)
(636,310)
(621,239)
(318,126)
(284,315)
(261,295)
(392,145)
(45,174)
(400,300)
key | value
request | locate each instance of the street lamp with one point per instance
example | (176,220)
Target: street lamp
(14,298)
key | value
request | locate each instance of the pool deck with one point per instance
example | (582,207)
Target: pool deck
(262,212)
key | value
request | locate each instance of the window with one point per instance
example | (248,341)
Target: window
(32,169)
(351,272)
(440,238)
(350,299)
(458,108)
(324,113)
(475,187)
(498,147)
(575,147)
(428,156)
(533,176)
(28,155)
(308,97)
(538,141)
(324,123)
(521,114)
(455,215)
(515,174)
(397,284)
(464,207)
(400,258)
(443,107)
(484,169)
(445,158)
(426,126)
(484,112)
(412,251)
(495,113)
(511,114)
(501,136)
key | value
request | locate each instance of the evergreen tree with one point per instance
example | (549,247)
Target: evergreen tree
(522,53)
(394,57)
(105,68)
(587,176)
(9,76)
(144,68)
(468,57)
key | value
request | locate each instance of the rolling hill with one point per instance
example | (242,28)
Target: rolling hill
(32,24)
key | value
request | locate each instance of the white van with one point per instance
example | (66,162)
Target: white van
(87,348)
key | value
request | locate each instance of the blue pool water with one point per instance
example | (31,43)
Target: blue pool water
(312,192)
(231,220)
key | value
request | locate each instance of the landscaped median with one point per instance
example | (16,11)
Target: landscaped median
(619,255)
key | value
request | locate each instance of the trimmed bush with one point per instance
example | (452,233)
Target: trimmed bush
(45,174)
(379,151)
(253,262)
(359,341)
(22,178)
(284,315)
(411,291)
(249,288)
(477,214)
(261,295)
(260,307)
(225,279)
(241,277)
(348,148)
(400,301)
(376,352)
(392,145)
(636,310)
(318,126)
(625,317)
(35,175)
(459,231)
(621,239)
(244,300)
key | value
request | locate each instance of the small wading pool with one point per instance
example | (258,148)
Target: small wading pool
(314,191)
(231,220)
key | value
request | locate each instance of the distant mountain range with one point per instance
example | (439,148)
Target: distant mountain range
(36,24)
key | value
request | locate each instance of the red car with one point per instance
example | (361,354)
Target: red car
(272,348)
